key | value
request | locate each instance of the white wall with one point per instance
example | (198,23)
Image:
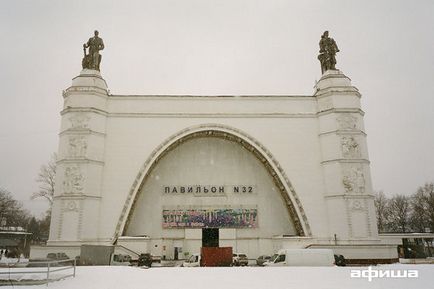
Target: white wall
(302,135)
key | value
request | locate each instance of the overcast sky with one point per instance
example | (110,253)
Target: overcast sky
(220,47)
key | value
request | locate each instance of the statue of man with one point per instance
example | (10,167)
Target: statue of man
(93,59)
(327,52)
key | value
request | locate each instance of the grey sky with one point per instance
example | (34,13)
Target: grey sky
(220,47)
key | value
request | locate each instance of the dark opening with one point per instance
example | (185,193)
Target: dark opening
(210,237)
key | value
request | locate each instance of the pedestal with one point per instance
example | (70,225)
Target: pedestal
(345,162)
(77,196)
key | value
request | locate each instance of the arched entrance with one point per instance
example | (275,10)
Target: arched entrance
(212,176)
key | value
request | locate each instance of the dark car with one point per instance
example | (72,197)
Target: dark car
(340,260)
(262,259)
(145,259)
(57,256)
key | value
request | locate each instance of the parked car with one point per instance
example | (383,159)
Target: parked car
(340,260)
(262,259)
(193,261)
(120,260)
(239,259)
(271,259)
(303,257)
(57,256)
(145,259)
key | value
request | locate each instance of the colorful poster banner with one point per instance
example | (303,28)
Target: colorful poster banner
(210,217)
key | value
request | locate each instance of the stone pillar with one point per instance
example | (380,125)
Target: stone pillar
(345,162)
(77,196)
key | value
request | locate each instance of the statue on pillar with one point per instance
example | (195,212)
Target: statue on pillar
(93,58)
(327,52)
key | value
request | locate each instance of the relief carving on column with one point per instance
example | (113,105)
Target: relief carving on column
(79,121)
(358,205)
(354,181)
(73,181)
(77,146)
(71,206)
(350,147)
(353,207)
(347,121)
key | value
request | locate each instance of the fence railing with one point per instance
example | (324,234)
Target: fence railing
(38,272)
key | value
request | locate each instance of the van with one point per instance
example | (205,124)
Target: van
(302,257)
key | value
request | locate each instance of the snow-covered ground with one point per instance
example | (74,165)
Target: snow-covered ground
(101,277)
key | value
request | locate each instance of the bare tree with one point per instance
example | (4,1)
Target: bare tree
(381,205)
(406,213)
(399,209)
(12,213)
(419,211)
(423,207)
(46,180)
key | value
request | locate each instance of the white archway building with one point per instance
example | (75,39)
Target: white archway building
(148,172)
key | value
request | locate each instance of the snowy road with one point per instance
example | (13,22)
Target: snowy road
(100,277)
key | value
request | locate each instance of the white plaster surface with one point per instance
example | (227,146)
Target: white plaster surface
(301,136)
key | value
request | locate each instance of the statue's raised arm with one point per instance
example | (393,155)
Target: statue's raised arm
(92,60)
